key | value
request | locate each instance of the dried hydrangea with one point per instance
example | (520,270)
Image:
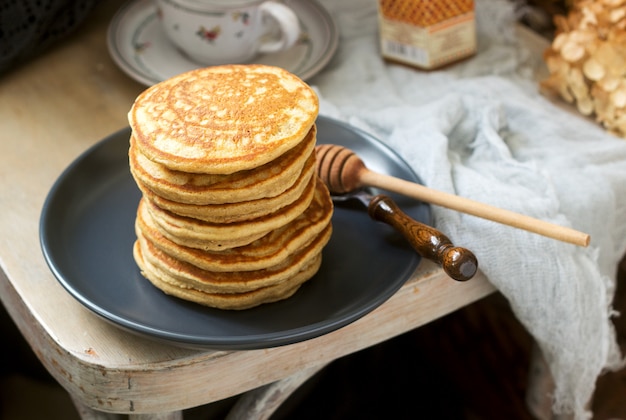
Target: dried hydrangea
(587,61)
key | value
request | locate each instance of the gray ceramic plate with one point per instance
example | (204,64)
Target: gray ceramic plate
(87,235)
(139,47)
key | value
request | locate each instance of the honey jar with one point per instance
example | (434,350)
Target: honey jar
(427,33)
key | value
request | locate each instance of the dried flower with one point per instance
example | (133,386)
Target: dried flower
(587,61)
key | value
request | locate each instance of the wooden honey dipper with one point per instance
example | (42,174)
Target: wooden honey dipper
(343,171)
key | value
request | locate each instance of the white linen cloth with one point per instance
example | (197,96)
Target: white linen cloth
(481,130)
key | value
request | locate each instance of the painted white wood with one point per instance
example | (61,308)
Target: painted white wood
(53,108)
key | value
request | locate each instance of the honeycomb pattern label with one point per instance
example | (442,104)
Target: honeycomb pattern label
(424,12)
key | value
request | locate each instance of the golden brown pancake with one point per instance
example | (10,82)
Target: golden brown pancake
(194,233)
(268,180)
(233,301)
(265,252)
(232,214)
(223,119)
(241,211)
(190,276)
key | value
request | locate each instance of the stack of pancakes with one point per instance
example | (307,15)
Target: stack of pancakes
(232,214)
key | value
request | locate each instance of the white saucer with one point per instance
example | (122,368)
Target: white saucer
(139,47)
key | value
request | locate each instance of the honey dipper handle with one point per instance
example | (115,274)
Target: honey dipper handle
(458,263)
(475,208)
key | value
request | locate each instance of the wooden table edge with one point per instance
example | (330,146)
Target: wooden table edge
(157,387)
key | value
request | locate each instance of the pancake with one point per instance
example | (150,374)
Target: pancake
(265,252)
(223,119)
(194,233)
(232,213)
(241,211)
(189,276)
(232,301)
(268,180)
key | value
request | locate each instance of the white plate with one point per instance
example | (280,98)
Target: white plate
(139,47)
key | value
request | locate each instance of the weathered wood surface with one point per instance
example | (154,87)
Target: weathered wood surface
(51,110)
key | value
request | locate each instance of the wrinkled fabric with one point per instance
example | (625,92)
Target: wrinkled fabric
(480,129)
